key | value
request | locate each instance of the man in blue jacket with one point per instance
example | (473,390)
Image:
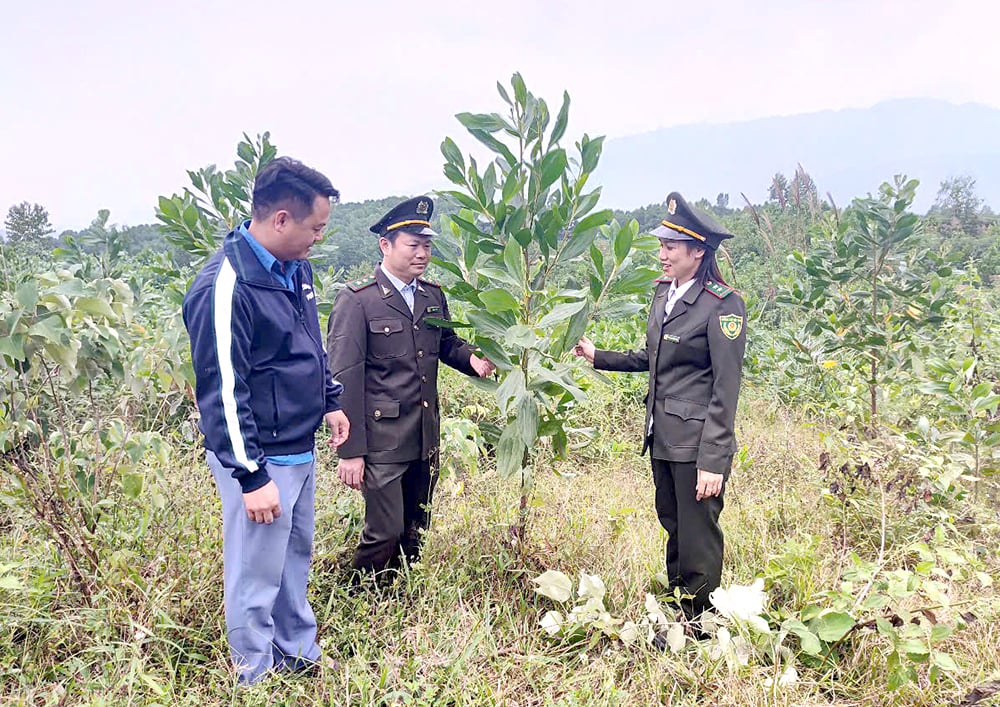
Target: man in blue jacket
(263,389)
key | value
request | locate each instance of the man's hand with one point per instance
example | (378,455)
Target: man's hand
(585,349)
(482,366)
(352,472)
(340,427)
(708,485)
(264,504)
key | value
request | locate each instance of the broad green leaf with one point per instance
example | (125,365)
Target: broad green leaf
(598,218)
(623,242)
(488,323)
(51,328)
(27,294)
(527,420)
(132,485)
(499,301)
(511,388)
(554,585)
(560,313)
(98,306)
(551,168)
(496,146)
(502,276)
(513,258)
(831,626)
(591,153)
(510,452)
(807,639)
(12,346)
(577,243)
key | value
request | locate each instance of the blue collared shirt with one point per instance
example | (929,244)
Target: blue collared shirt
(282,272)
(286,276)
(404,289)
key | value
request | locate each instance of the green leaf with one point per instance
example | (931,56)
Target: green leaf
(51,329)
(520,90)
(511,388)
(831,626)
(27,294)
(132,485)
(596,219)
(551,168)
(95,305)
(527,420)
(559,129)
(554,585)
(488,323)
(513,258)
(451,153)
(481,121)
(499,301)
(944,661)
(510,451)
(623,242)
(495,145)
(591,154)
(807,639)
(12,346)
(577,244)
(560,313)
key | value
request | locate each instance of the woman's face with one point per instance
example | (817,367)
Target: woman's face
(680,260)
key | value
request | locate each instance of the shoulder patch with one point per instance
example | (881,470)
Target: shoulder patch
(361,284)
(720,291)
(429,282)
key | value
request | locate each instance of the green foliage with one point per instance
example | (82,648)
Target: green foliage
(27,226)
(523,247)
(862,299)
(216,202)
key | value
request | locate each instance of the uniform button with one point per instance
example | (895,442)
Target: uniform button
(377,414)
(423,379)
(425,403)
(416,326)
(420,354)
(666,337)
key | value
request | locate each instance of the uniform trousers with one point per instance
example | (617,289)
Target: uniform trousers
(269,622)
(397,510)
(694,537)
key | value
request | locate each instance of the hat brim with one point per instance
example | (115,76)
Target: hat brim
(669,234)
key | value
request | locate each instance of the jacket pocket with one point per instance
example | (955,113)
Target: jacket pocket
(386,338)
(683,422)
(382,423)
(275,416)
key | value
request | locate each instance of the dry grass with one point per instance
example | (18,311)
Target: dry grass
(462,629)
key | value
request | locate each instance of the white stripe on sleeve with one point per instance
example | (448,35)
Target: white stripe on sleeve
(225,289)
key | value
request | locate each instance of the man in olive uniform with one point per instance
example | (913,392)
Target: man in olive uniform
(385,353)
(695,340)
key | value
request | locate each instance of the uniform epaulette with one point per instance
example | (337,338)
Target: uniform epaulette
(428,282)
(720,291)
(361,284)
(662,280)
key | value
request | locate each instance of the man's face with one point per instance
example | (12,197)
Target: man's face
(297,237)
(407,257)
(679,259)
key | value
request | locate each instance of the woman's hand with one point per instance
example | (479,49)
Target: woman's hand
(585,349)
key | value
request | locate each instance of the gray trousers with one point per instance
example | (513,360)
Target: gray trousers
(269,622)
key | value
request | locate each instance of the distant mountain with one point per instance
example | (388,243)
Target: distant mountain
(847,152)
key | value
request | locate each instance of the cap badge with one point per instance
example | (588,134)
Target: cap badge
(422,207)
(672,207)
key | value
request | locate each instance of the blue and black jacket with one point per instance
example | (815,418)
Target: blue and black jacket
(262,381)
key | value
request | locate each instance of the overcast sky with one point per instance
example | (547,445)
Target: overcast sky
(105,104)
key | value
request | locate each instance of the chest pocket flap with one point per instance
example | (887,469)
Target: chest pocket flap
(385,326)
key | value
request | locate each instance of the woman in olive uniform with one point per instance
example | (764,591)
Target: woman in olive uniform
(695,340)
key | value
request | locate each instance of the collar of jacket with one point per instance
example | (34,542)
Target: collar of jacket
(246,263)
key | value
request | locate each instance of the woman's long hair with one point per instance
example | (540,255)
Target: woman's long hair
(708,269)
